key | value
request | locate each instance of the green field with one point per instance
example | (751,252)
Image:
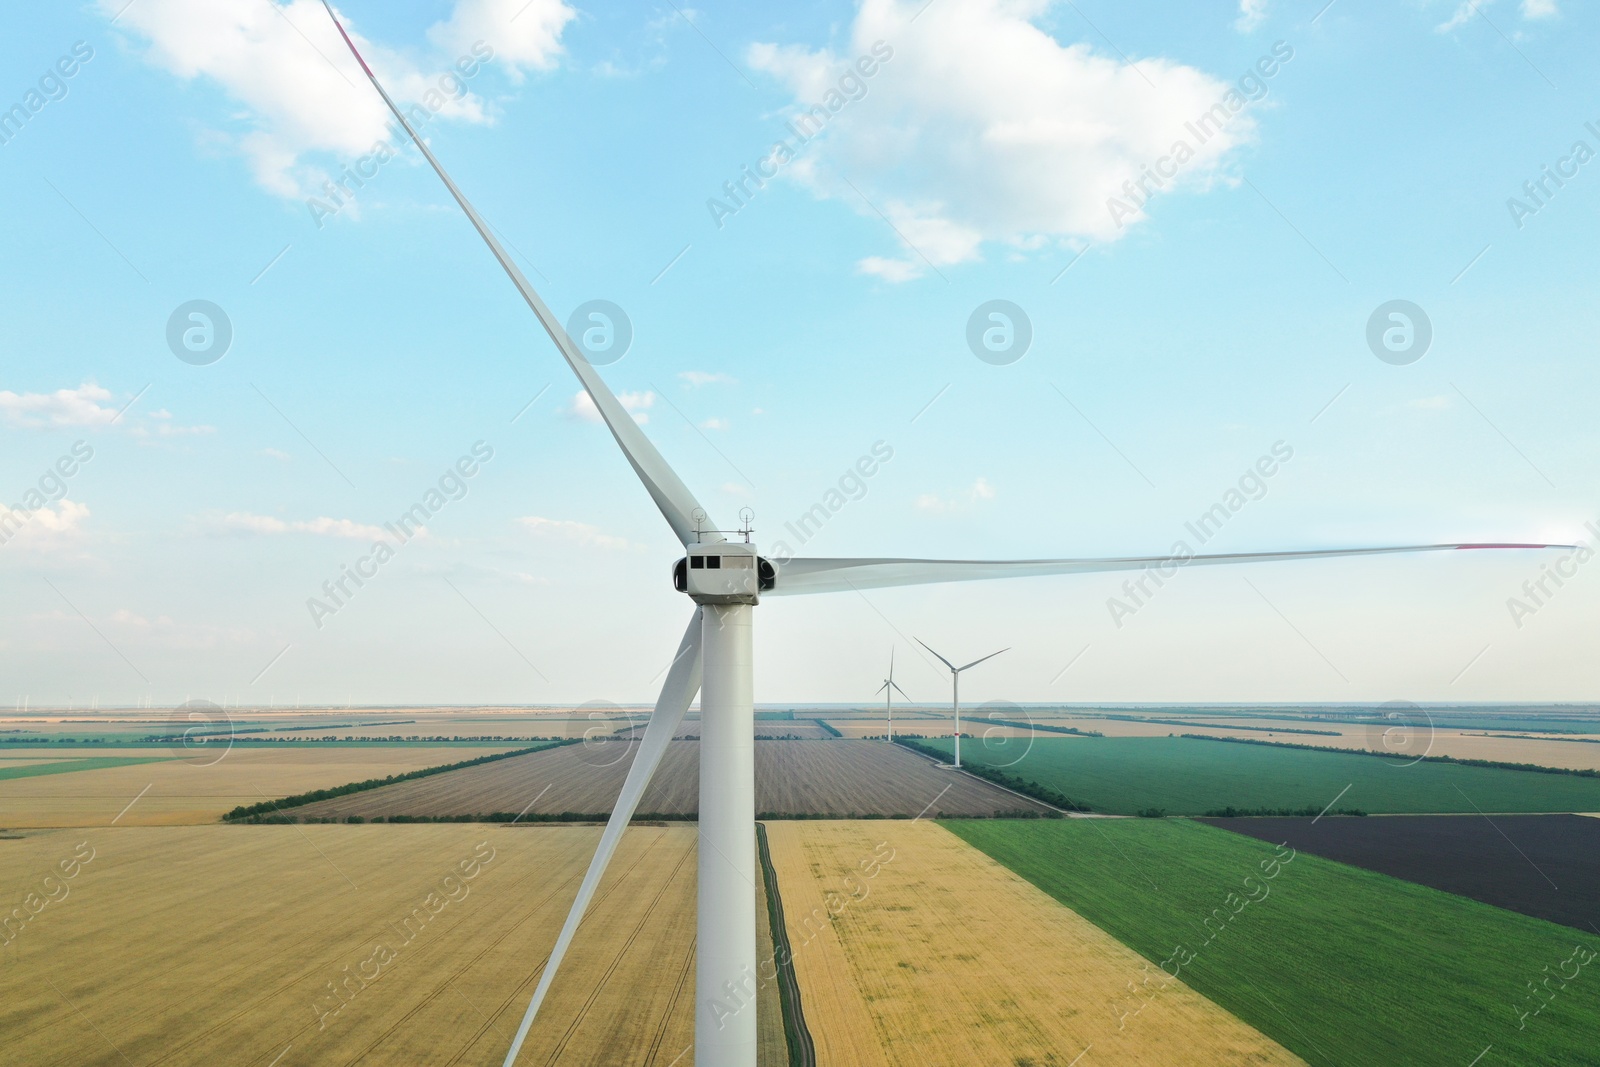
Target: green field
(81,763)
(1124,775)
(1338,964)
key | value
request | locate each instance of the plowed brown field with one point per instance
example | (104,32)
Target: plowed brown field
(792,777)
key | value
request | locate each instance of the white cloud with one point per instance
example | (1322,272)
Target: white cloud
(264,524)
(521,33)
(244,522)
(273,453)
(982,128)
(64,407)
(47,530)
(696,378)
(124,617)
(934,504)
(301,90)
(1463,14)
(892,270)
(565,529)
(715,424)
(1467,10)
(737,489)
(326,527)
(1252,13)
(167,429)
(637,404)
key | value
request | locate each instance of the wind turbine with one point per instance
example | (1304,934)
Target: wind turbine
(726,580)
(955,689)
(888,689)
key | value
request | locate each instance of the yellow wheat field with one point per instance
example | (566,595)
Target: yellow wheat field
(188,791)
(300,945)
(914,949)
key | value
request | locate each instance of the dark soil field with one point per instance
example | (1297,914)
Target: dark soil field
(824,778)
(1547,866)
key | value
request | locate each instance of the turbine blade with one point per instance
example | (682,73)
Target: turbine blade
(881,688)
(800,576)
(902,692)
(991,655)
(941,659)
(674,499)
(683,682)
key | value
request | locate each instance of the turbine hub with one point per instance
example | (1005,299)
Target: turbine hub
(724,572)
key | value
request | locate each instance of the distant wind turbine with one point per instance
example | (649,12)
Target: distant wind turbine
(955,688)
(888,689)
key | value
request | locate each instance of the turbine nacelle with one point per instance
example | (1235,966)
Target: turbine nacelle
(724,572)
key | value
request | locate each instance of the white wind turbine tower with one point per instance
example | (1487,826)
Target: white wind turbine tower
(888,689)
(955,690)
(726,581)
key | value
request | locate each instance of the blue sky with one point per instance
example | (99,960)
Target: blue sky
(1168,354)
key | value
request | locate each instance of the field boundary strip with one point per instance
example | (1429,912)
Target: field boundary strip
(1202,724)
(69,764)
(254,812)
(1046,727)
(797,1036)
(1499,765)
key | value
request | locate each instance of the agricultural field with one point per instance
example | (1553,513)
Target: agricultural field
(915,950)
(1547,866)
(1184,776)
(1571,752)
(791,729)
(322,945)
(35,768)
(14,759)
(792,777)
(175,791)
(575,723)
(582,778)
(1565,719)
(875,724)
(1340,965)
(133,726)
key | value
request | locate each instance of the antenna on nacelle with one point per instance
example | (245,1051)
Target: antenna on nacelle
(699,517)
(747,517)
